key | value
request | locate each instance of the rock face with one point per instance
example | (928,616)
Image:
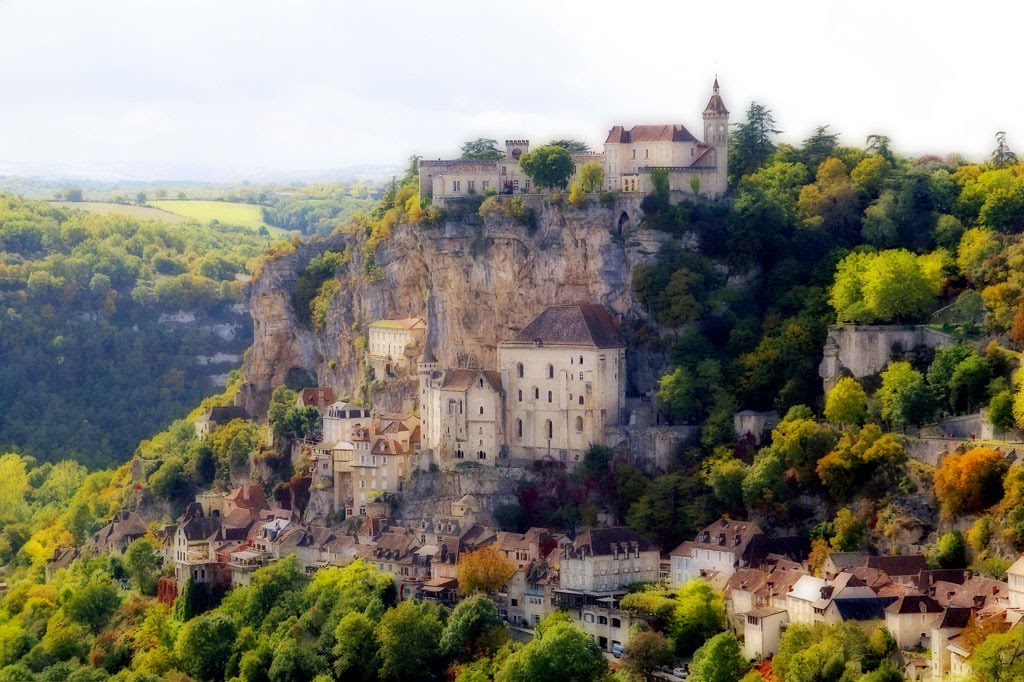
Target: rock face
(485,280)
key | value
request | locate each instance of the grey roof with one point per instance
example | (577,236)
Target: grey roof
(580,324)
(867,608)
(601,541)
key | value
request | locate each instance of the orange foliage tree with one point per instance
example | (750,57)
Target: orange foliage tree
(484,570)
(969,482)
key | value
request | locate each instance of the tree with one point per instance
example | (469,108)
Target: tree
(999,657)
(356,651)
(1001,155)
(481,149)
(140,198)
(645,652)
(73,194)
(700,614)
(204,645)
(473,629)
(293,662)
(969,482)
(563,652)
(819,146)
(719,660)
(850,532)
(1000,410)
(548,166)
(571,146)
(591,176)
(904,396)
(879,145)
(93,604)
(879,287)
(750,143)
(951,551)
(846,404)
(483,570)
(576,195)
(141,562)
(409,637)
(870,174)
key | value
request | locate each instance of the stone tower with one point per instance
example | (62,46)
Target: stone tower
(716,134)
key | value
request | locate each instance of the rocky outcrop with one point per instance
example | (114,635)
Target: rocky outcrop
(485,280)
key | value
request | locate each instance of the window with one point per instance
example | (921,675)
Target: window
(460,407)
(520,395)
(550,396)
(504,170)
(451,407)
(548,429)
(581,376)
(551,371)
(362,484)
(581,359)
(536,393)
(602,620)
(519,428)
(647,153)
(634,153)
(579,424)
(471,185)
(456,185)
(519,369)
(515,185)
(485,184)
(581,400)
(481,409)
(616,623)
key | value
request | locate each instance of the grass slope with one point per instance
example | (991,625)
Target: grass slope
(138,212)
(246,215)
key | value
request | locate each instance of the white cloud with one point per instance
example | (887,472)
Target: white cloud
(303,84)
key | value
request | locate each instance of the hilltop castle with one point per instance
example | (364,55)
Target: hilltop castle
(629,158)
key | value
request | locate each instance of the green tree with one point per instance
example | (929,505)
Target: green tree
(204,644)
(548,166)
(819,146)
(563,652)
(142,563)
(870,173)
(571,146)
(409,637)
(951,551)
(1001,155)
(700,614)
(850,532)
(473,629)
(846,404)
(93,604)
(356,652)
(481,149)
(904,396)
(293,662)
(998,657)
(1000,410)
(719,660)
(751,142)
(591,176)
(645,652)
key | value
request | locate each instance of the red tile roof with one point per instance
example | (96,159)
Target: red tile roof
(650,133)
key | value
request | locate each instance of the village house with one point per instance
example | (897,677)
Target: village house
(911,620)
(724,546)
(340,421)
(317,397)
(114,538)
(212,417)
(62,558)
(391,345)
(903,568)
(1015,583)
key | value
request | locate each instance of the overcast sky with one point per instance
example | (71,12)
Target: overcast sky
(238,86)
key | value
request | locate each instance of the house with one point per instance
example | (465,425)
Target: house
(317,397)
(392,345)
(911,620)
(953,621)
(341,419)
(212,417)
(1015,583)
(595,572)
(841,561)
(845,598)
(724,546)
(564,377)
(762,631)
(113,538)
(62,558)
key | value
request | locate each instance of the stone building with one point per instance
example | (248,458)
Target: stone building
(463,414)
(629,158)
(389,342)
(565,381)
(340,419)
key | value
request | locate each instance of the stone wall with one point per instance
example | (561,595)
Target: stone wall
(863,350)
(652,448)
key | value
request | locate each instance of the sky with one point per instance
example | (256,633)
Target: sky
(227,89)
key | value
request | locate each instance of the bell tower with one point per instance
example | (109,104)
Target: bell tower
(716,134)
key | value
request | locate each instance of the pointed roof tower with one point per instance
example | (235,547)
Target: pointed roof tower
(715,104)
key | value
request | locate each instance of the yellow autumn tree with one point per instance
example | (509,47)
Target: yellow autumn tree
(484,570)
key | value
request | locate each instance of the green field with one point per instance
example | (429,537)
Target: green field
(246,215)
(139,212)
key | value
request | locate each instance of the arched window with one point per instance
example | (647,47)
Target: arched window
(551,371)
(519,428)
(581,400)
(549,429)
(581,359)
(481,383)
(520,395)
(481,409)
(549,396)
(536,393)
(519,369)
(579,424)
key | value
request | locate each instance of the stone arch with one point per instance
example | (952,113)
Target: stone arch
(624,222)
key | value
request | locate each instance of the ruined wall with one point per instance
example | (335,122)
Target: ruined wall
(862,350)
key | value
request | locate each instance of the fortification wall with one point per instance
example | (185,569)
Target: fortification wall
(863,350)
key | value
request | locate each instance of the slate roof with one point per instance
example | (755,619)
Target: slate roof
(914,603)
(899,565)
(715,104)
(600,541)
(955,617)
(580,324)
(201,528)
(670,132)
(868,608)
(461,379)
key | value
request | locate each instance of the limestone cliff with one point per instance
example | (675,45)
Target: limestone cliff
(485,280)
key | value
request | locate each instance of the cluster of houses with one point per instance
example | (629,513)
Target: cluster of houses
(927,611)
(221,539)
